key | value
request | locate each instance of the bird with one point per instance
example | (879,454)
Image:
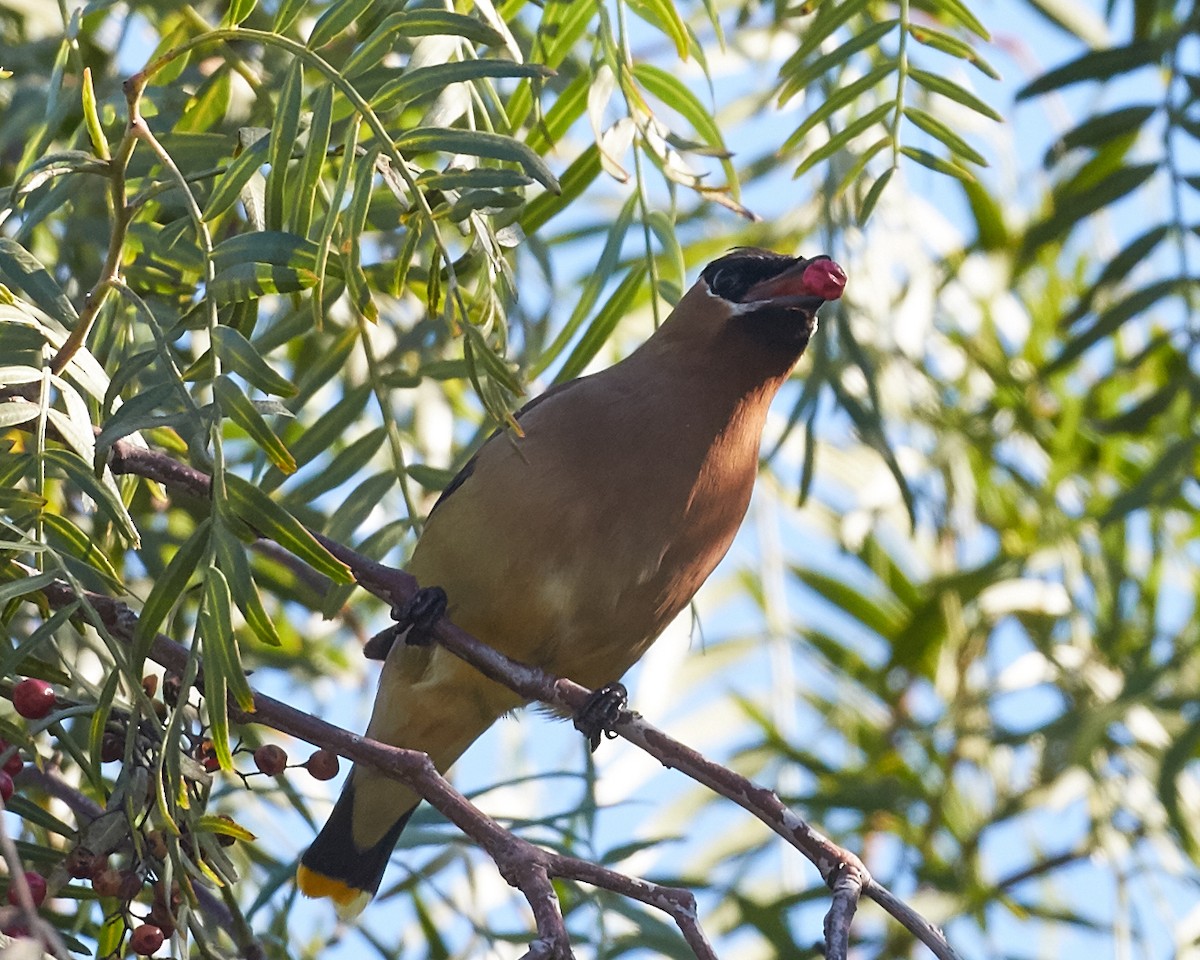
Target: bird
(572,543)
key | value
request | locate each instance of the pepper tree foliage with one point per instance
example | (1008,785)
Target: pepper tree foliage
(958,635)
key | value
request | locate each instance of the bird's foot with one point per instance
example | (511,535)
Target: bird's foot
(602,710)
(418,616)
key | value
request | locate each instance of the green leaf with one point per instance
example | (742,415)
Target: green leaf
(841,139)
(947,43)
(222,666)
(593,285)
(477,144)
(431,478)
(497,367)
(283,143)
(288,13)
(309,179)
(960,12)
(1161,480)
(228,188)
(359,503)
(873,195)
(579,175)
(237,406)
(102,491)
(674,93)
(270,520)
(1099,130)
(64,536)
(168,589)
(434,79)
(882,615)
(664,15)
(1111,319)
(936,163)
(432,22)
(953,91)
(1073,206)
(567,107)
(238,11)
(829,17)
(21,269)
(14,412)
(330,427)
(478,178)
(797,75)
(24,586)
(344,465)
(236,351)
(1096,65)
(941,131)
(835,101)
(333,21)
(249,281)
(603,324)
(265,246)
(231,558)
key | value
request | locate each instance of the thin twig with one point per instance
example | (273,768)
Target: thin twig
(526,867)
(835,864)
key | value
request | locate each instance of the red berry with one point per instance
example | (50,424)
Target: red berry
(6,786)
(14,764)
(131,884)
(270,759)
(156,843)
(37,888)
(16,931)
(323,765)
(33,698)
(81,863)
(106,882)
(824,278)
(206,753)
(146,939)
(112,747)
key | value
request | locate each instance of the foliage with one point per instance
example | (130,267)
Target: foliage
(971,656)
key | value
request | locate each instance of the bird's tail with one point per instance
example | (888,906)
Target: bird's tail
(335,867)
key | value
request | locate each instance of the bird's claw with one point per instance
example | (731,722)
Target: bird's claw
(602,710)
(417,615)
(420,614)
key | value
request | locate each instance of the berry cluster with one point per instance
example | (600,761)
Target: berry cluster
(122,870)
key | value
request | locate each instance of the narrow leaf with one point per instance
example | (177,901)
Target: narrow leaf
(264,515)
(236,351)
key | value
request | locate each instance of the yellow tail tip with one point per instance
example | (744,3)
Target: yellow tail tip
(348,901)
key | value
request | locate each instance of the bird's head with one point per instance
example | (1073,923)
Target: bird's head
(771,295)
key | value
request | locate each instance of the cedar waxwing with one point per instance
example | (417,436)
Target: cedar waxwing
(572,547)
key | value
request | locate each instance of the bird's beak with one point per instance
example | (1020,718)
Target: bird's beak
(819,278)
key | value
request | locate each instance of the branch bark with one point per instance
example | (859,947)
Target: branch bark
(524,866)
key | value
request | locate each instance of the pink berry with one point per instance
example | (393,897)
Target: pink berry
(824,278)
(37,888)
(33,698)
(14,764)
(146,939)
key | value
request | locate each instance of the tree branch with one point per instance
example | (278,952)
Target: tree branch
(840,869)
(524,866)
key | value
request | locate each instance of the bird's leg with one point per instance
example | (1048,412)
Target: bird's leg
(417,616)
(603,709)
